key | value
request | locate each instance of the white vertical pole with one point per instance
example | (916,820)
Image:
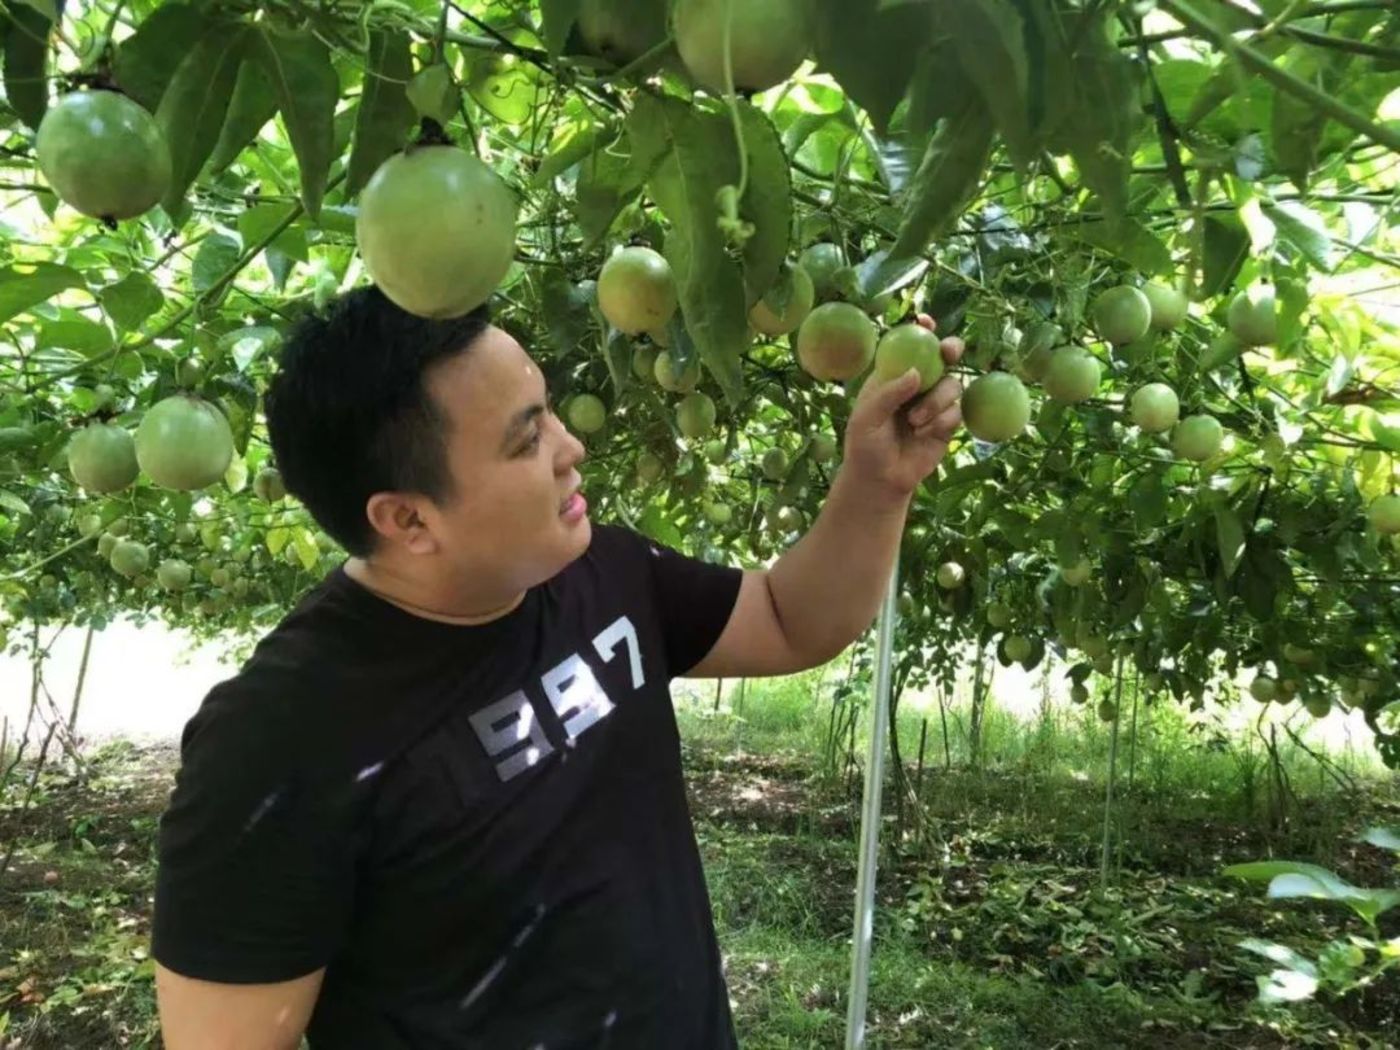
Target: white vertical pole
(870,821)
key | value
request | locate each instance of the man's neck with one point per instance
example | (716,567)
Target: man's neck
(445,601)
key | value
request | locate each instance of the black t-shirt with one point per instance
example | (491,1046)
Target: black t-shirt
(481,832)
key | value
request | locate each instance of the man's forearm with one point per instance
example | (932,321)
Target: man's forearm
(827,588)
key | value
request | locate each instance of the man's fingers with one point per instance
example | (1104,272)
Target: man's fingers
(885,398)
(944,393)
(942,425)
(927,321)
(952,348)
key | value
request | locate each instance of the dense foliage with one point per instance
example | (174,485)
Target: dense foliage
(1030,172)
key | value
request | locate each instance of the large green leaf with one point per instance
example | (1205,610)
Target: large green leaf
(1301,227)
(1130,241)
(1229,533)
(385,114)
(131,300)
(1097,129)
(1226,248)
(709,281)
(991,34)
(193,108)
(607,182)
(253,104)
(216,256)
(26,63)
(25,285)
(558,17)
(948,177)
(147,60)
(767,201)
(307,89)
(871,50)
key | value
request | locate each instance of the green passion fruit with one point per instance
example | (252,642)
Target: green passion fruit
(103,154)
(1073,374)
(909,346)
(1252,317)
(1122,315)
(1168,306)
(695,417)
(102,458)
(1197,438)
(768,40)
(436,229)
(672,380)
(1155,408)
(637,290)
(801,296)
(587,414)
(1384,515)
(823,261)
(184,443)
(836,342)
(996,407)
(621,30)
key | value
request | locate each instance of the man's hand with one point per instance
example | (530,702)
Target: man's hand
(893,444)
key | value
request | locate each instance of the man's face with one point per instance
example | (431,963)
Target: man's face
(514,514)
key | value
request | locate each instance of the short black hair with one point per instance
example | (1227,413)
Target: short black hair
(349,413)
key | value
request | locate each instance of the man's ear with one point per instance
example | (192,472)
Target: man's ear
(398,518)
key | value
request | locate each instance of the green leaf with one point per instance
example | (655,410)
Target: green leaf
(607,182)
(216,256)
(947,179)
(253,104)
(709,282)
(1385,838)
(1148,501)
(47,8)
(131,300)
(1097,129)
(193,108)
(618,354)
(146,61)
(13,503)
(25,285)
(767,201)
(1226,248)
(385,115)
(1339,375)
(993,31)
(871,52)
(558,17)
(1130,241)
(84,337)
(939,89)
(27,63)
(1229,537)
(307,89)
(1303,228)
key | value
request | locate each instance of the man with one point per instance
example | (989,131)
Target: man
(442,805)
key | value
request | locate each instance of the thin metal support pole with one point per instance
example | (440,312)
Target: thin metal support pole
(870,821)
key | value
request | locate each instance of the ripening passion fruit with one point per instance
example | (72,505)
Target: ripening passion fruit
(436,229)
(996,407)
(102,458)
(103,154)
(184,443)
(621,30)
(637,291)
(768,40)
(801,296)
(836,342)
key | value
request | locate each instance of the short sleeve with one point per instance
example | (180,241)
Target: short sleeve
(694,602)
(254,878)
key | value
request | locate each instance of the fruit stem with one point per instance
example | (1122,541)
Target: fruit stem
(732,101)
(431,133)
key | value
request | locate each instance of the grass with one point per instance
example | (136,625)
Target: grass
(992,928)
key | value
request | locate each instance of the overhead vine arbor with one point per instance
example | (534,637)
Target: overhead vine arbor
(1166,231)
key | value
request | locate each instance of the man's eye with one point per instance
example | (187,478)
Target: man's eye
(531,445)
